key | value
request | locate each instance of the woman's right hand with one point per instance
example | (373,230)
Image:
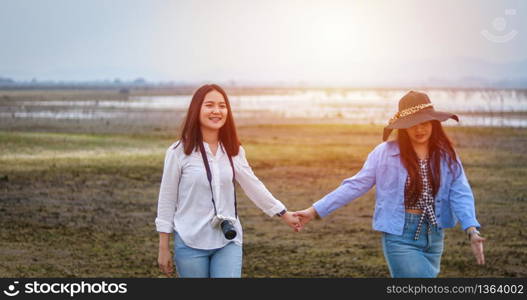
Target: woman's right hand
(165,262)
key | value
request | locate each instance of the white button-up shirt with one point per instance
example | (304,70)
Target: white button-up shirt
(185,204)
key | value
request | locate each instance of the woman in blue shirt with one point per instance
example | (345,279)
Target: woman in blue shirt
(421,188)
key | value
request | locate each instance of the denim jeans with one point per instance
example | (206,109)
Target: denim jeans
(225,262)
(407,257)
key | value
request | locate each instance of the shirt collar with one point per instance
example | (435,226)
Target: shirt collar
(220,144)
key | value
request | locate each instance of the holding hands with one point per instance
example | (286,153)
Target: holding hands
(305,216)
(296,220)
(293,221)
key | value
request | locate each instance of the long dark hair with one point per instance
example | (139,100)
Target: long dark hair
(191,137)
(439,147)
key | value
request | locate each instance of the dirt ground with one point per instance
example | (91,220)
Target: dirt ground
(83,204)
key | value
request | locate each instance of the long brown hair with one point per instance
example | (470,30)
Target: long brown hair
(191,137)
(439,147)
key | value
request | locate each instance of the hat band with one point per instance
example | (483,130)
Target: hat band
(409,111)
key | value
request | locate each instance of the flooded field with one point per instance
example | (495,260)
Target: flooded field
(475,107)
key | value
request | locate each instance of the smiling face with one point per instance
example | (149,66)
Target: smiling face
(213,112)
(420,133)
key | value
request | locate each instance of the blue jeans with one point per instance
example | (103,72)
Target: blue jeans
(407,257)
(224,262)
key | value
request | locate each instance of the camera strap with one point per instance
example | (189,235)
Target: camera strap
(209,177)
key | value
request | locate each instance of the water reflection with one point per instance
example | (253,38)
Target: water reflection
(475,107)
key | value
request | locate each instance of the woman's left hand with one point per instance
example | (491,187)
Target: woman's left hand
(476,243)
(292,221)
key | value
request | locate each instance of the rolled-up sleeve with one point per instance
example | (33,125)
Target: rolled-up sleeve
(462,199)
(253,187)
(351,188)
(168,192)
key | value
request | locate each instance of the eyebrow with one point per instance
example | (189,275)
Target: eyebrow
(210,101)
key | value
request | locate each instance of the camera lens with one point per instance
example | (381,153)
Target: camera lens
(228,229)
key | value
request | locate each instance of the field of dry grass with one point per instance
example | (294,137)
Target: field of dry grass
(84,204)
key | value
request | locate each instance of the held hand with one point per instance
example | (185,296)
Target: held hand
(306,215)
(165,262)
(476,243)
(292,221)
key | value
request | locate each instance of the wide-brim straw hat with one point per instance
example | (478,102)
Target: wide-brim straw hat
(415,108)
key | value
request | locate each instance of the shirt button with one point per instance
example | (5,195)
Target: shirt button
(438,215)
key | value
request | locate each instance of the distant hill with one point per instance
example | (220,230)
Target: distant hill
(457,72)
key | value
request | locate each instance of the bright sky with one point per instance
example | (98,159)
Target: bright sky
(250,40)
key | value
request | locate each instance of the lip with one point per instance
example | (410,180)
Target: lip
(215,119)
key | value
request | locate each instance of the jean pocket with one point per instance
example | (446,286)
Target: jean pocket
(178,242)
(390,237)
(409,229)
(439,233)
(405,227)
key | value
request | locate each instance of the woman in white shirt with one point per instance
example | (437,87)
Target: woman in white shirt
(197,199)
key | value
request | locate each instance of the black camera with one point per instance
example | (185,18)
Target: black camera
(226,224)
(228,229)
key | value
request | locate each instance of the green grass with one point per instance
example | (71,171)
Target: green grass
(83,205)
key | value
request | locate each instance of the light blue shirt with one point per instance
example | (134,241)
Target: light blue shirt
(454,201)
